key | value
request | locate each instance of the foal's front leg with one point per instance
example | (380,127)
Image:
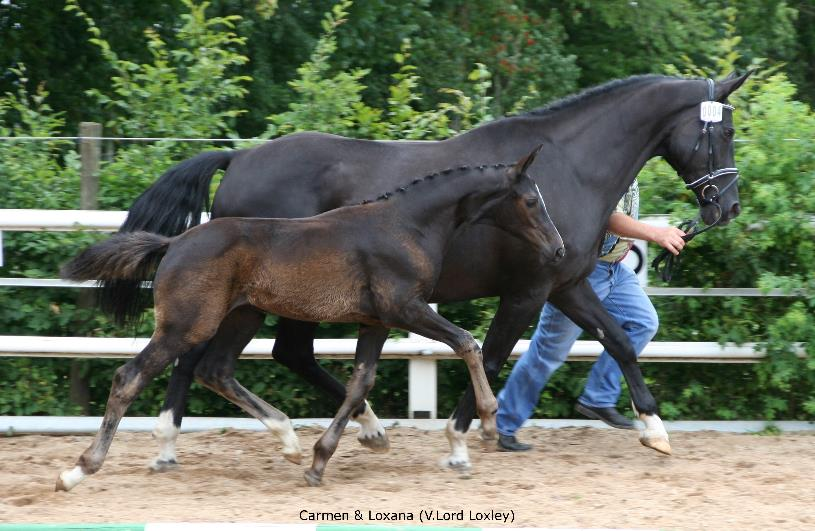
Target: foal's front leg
(417,317)
(369,347)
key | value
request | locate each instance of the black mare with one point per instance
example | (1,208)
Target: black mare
(595,143)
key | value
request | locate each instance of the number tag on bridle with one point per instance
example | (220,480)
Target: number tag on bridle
(711,111)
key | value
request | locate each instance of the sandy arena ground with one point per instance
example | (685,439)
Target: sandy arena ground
(576,477)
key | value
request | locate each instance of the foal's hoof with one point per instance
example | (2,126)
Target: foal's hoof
(313,478)
(293,457)
(659,444)
(69,479)
(163,465)
(376,443)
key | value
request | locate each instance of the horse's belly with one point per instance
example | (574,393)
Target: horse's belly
(307,299)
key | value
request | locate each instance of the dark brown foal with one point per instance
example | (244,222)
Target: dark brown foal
(375,264)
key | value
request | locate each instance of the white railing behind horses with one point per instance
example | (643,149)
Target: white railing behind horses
(421,354)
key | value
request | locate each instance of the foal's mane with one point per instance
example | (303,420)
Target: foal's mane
(429,177)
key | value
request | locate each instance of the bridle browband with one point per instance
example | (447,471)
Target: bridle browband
(701,186)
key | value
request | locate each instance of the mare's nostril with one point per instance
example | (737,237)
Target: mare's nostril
(735,210)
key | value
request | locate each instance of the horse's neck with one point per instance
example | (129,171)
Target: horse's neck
(603,144)
(437,202)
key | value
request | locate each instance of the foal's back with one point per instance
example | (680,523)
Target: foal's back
(332,267)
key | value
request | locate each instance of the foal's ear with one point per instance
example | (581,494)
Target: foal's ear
(729,84)
(522,165)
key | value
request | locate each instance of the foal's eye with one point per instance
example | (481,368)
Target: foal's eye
(531,201)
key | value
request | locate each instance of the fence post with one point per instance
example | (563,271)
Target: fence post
(89,153)
(422,387)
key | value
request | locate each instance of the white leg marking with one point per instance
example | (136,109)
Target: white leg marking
(654,435)
(371,432)
(459,457)
(166,433)
(70,479)
(284,431)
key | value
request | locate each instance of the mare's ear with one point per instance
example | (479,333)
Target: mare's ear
(522,165)
(729,84)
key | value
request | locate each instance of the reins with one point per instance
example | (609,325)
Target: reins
(671,261)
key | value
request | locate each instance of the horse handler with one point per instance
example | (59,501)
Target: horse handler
(619,289)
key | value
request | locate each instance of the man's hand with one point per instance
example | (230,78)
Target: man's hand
(669,238)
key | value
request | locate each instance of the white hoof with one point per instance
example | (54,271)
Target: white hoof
(371,432)
(654,435)
(70,479)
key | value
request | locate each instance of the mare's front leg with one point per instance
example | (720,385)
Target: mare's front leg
(369,347)
(294,348)
(581,304)
(513,316)
(128,382)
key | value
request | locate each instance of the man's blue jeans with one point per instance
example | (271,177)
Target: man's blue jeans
(617,286)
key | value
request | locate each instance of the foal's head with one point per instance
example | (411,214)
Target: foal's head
(518,208)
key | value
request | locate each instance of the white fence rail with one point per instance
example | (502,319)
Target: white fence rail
(421,353)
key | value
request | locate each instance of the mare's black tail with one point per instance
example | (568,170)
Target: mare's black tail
(124,256)
(169,207)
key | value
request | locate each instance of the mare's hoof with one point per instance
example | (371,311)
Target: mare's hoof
(295,457)
(163,465)
(60,485)
(657,443)
(313,478)
(378,444)
(456,465)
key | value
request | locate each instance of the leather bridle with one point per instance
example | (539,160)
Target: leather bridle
(707,192)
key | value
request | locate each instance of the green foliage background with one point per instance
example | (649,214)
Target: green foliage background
(409,70)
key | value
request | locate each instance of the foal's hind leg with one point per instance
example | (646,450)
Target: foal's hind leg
(217,369)
(294,348)
(237,329)
(369,347)
(128,382)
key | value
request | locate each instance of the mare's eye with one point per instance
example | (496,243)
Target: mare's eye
(729,132)
(531,201)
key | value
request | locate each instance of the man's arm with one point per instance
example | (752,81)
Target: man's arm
(669,238)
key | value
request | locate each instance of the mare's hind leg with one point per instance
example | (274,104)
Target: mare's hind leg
(236,330)
(369,347)
(419,318)
(294,348)
(217,369)
(511,319)
(128,382)
(168,425)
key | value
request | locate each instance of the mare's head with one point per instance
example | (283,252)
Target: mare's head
(518,208)
(700,149)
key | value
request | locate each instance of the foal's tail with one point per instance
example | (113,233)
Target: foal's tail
(124,256)
(169,207)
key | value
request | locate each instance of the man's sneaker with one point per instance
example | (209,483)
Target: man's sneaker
(508,443)
(609,415)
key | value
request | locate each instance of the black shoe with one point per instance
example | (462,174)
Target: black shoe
(609,415)
(508,443)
